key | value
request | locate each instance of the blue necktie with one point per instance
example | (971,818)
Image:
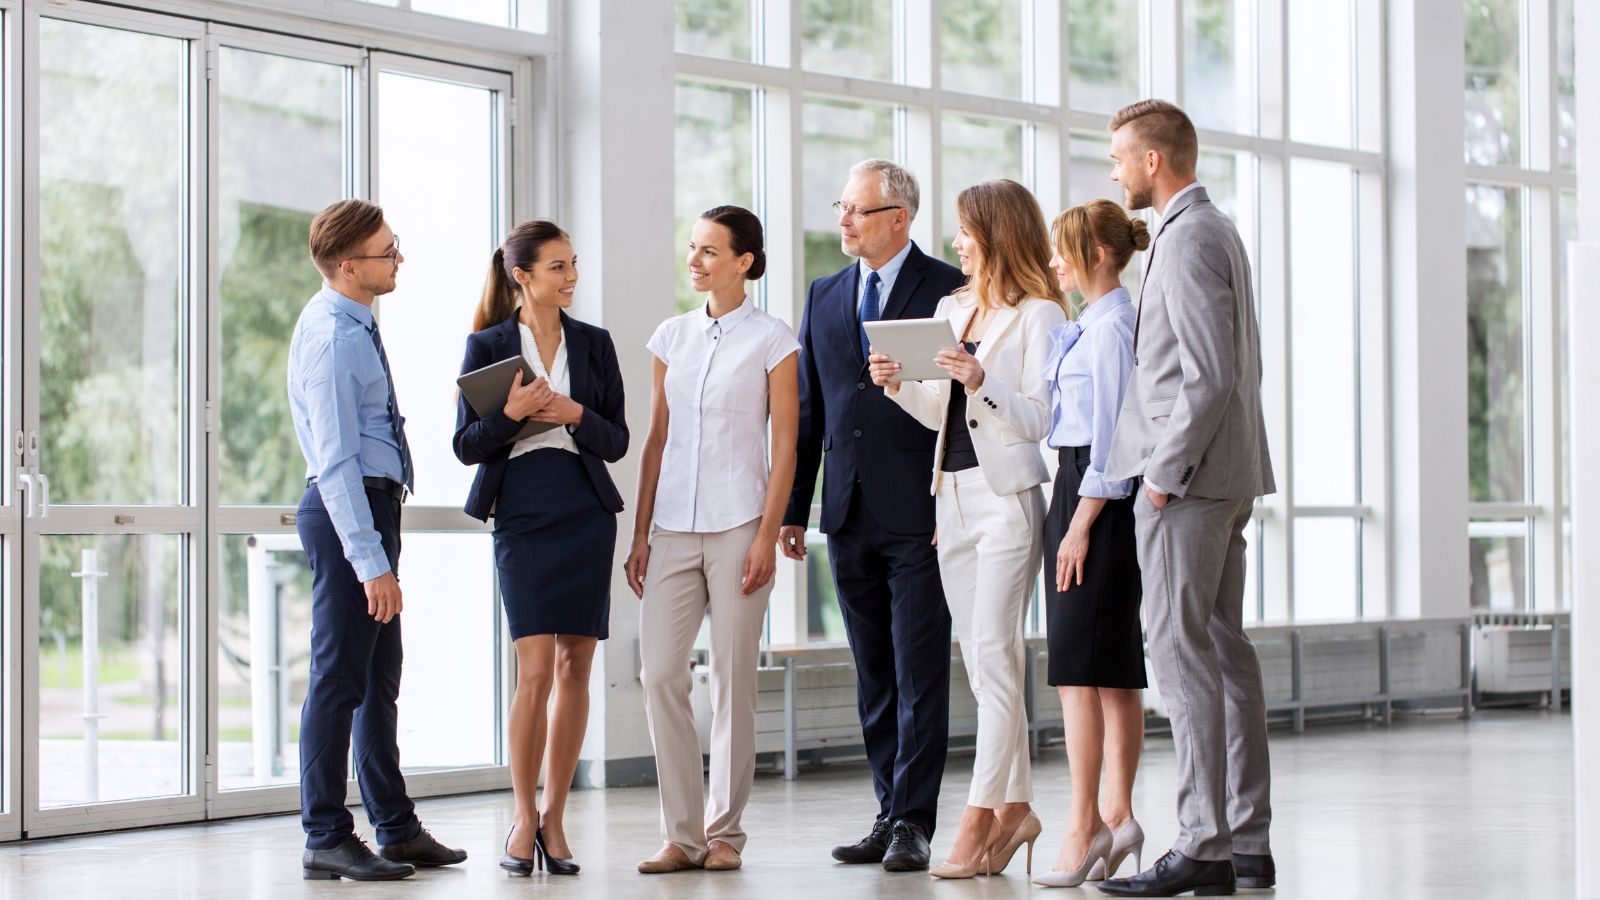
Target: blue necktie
(869,309)
(406,475)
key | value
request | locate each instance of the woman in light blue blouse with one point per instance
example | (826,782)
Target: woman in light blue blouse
(1092,586)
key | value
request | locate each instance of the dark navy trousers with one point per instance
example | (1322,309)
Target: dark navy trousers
(355,682)
(899,629)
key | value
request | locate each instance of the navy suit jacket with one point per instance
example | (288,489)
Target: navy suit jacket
(596,383)
(868,438)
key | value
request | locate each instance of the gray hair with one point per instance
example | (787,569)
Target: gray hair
(896,182)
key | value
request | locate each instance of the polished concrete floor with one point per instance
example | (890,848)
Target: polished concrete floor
(1429,807)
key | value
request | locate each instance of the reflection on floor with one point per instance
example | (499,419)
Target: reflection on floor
(1426,807)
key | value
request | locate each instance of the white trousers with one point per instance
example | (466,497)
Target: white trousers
(989,556)
(688,574)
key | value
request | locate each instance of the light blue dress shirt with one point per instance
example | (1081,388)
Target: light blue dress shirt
(1089,365)
(339,398)
(886,276)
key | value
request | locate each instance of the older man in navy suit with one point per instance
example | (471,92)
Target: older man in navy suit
(876,510)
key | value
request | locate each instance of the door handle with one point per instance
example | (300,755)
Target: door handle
(44,495)
(25,485)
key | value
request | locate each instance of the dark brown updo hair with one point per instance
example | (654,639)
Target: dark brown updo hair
(1099,223)
(744,231)
(501,294)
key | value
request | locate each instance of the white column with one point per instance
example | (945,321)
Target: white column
(1583,274)
(1428,309)
(616,101)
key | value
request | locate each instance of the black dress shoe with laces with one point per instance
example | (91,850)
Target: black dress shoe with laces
(869,849)
(351,860)
(908,849)
(1175,874)
(1255,870)
(422,850)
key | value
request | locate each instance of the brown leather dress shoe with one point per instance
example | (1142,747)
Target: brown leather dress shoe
(670,858)
(722,858)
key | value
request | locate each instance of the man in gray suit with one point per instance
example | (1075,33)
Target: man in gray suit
(1191,426)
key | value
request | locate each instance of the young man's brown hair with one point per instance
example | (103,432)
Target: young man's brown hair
(338,231)
(1164,128)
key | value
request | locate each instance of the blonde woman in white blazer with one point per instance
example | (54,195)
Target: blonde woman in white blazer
(991,416)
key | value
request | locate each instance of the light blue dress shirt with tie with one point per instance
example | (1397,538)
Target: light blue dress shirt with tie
(886,276)
(340,401)
(1089,365)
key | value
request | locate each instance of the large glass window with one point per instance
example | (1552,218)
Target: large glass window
(715,163)
(1217,75)
(114,287)
(283,126)
(1566,85)
(981,47)
(715,27)
(976,150)
(837,135)
(438,148)
(848,37)
(1103,53)
(1496,386)
(1321,84)
(1494,110)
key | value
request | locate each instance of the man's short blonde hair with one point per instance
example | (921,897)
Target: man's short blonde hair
(1163,127)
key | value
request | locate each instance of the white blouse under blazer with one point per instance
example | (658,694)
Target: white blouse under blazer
(1010,414)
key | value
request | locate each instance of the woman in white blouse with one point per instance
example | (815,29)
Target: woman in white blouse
(991,416)
(706,529)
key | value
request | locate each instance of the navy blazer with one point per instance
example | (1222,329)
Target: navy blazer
(868,438)
(596,383)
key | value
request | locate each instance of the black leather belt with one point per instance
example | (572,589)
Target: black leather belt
(378,483)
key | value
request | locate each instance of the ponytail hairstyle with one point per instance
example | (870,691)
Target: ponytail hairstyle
(1005,221)
(1077,233)
(744,231)
(501,294)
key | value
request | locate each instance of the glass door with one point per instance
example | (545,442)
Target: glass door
(11,444)
(112,432)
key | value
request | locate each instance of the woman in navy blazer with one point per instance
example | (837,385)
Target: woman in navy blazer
(555,514)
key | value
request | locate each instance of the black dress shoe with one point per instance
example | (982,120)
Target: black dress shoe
(556,865)
(869,849)
(422,850)
(1175,874)
(1255,870)
(908,849)
(351,860)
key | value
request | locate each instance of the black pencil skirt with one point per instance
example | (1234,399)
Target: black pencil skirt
(1093,628)
(553,543)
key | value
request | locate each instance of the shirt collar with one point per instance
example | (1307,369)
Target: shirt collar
(1117,296)
(729,320)
(1173,203)
(889,270)
(361,312)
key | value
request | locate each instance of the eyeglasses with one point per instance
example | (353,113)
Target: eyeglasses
(845,209)
(394,252)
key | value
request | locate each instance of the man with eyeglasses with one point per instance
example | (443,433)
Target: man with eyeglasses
(358,471)
(876,510)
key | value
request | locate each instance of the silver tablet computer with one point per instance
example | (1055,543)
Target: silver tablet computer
(913,343)
(487,388)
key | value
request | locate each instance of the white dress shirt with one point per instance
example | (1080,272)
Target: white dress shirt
(560,382)
(714,470)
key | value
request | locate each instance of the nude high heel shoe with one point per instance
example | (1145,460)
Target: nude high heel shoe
(952,869)
(1093,859)
(1027,832)
(1129,838)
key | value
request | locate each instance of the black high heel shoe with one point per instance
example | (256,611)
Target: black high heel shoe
(545,860)
(517,865)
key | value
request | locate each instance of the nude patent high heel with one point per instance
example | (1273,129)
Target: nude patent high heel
(1128,838)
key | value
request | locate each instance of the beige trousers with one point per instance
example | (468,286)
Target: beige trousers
(688,574)
(989,556)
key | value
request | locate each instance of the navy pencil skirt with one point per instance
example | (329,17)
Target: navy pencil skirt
(554,544)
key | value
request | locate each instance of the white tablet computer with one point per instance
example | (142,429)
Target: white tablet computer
(913,343)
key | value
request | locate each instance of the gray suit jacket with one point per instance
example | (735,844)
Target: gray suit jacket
(1191,419)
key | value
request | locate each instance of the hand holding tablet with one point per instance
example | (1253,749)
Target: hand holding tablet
(913,345)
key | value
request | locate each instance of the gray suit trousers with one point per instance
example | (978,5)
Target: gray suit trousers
(1192,554)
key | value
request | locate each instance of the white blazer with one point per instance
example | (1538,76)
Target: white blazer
(1010,414)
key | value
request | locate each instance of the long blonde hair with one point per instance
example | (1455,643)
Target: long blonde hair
(1006,223)
(1079,231)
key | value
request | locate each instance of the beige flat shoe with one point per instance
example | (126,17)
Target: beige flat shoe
(722,858)
(670,858)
